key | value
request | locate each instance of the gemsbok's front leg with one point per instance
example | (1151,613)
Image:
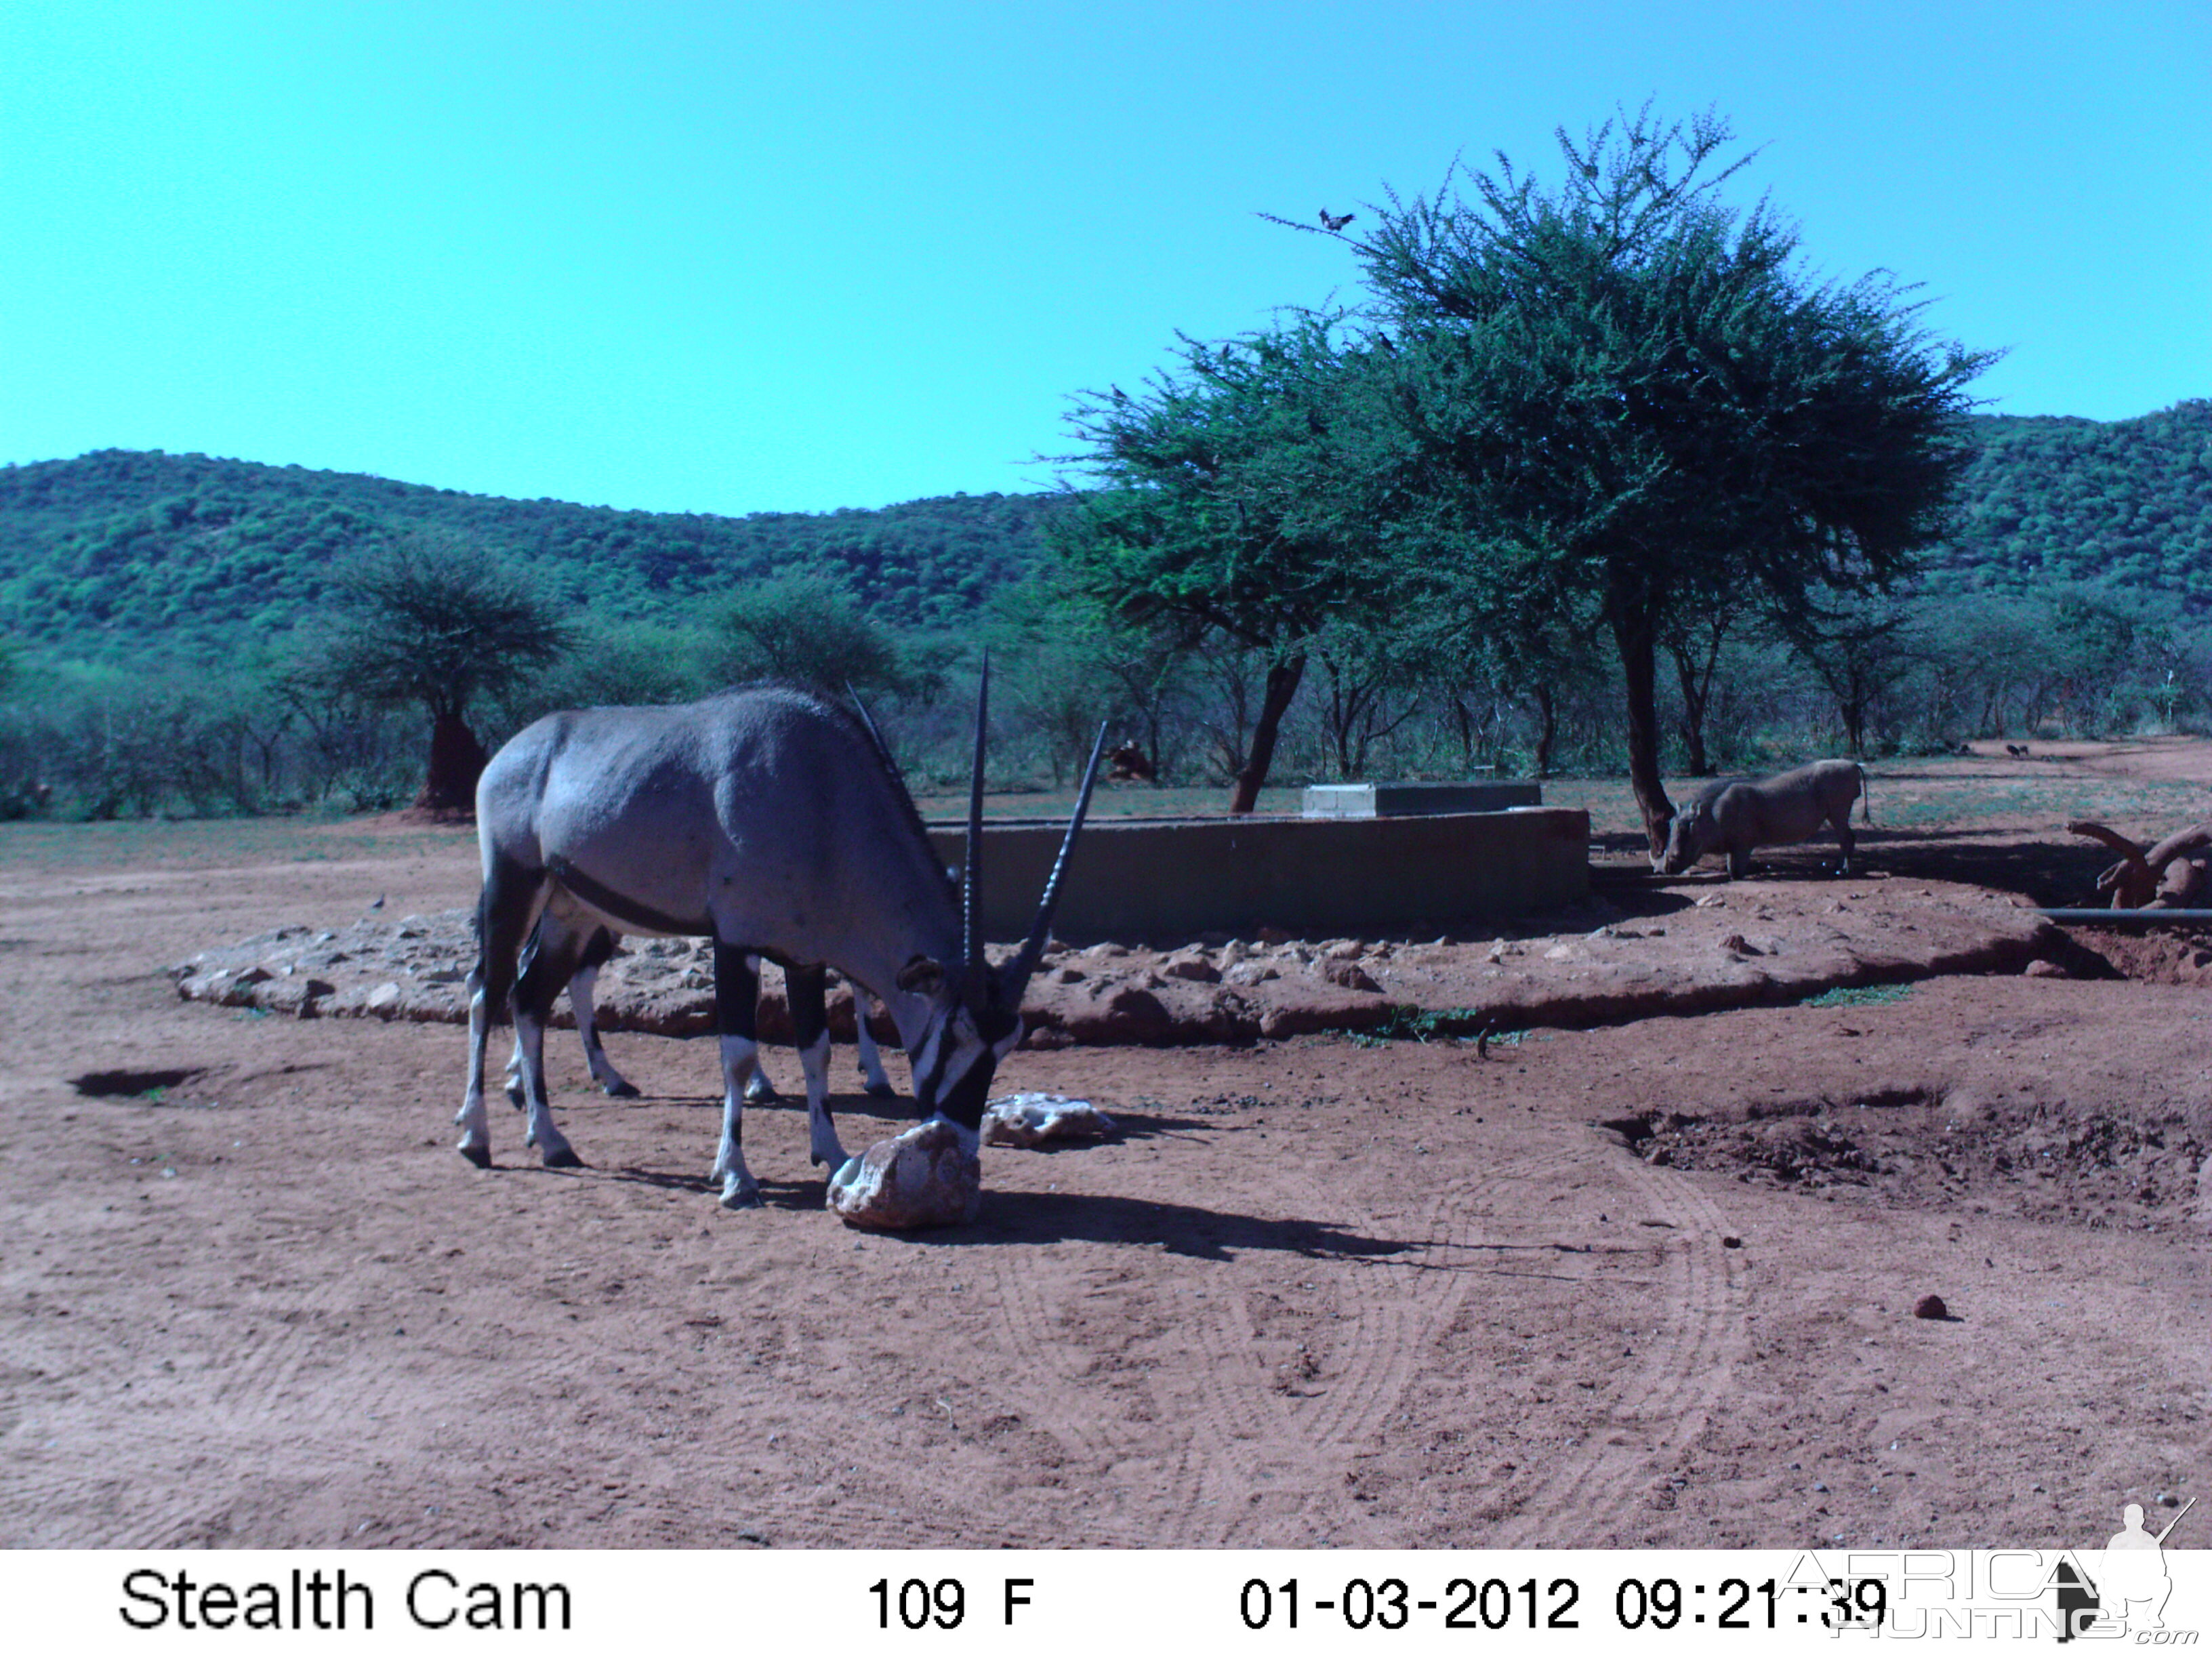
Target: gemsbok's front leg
(737,999)
(810,1023)
(872,1059)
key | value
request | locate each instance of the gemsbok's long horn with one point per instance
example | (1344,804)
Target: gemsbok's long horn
(1017,975)
(875,736)
(971,880)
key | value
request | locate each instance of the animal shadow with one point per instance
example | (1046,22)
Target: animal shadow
(1013,1218)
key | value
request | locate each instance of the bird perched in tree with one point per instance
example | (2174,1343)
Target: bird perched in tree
(1119,396)
(1334,221)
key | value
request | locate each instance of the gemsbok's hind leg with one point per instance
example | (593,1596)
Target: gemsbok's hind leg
(505,911)
(475,1124)
(549,969)
(603,1069)
(759,1091)
(548,933)
(737,998)
(810,1024)
(587,955)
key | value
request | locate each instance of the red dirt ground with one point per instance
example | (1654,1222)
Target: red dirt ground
(1651,1283)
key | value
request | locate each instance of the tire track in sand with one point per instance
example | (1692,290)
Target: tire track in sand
(1251,1429)
(1091,1398)
(179,1444)
(1681,1372)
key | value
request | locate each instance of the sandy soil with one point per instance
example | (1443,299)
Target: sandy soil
(1650,1282)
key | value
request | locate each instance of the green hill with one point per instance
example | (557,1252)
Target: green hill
(123,555)
(2050,500)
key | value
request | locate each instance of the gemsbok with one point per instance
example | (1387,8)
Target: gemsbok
(772,821)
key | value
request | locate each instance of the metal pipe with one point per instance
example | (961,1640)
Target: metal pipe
(2083,917)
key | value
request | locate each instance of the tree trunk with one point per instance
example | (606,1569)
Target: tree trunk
(1632,633)
(1855,695)
(457,759)
(1853,707)
(1465,719)
(1697,684)
(1854,730)
(1283,678)
(1547,727)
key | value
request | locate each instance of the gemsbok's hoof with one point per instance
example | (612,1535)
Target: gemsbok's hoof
(883,1091)
(479,1156)
(747,1197)
(925,1177)
(563,1158)
(622,1091)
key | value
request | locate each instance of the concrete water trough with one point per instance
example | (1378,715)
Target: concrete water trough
(1156,878)
(1406,800)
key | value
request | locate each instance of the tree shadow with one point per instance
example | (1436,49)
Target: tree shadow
(2053,873)
(2049,873)
(1188,1229)
(1641,894)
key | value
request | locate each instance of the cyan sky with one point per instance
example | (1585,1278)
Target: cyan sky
(733,258)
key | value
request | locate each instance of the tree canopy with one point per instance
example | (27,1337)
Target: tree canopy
(1250,492)
(1626,392)
(805,627)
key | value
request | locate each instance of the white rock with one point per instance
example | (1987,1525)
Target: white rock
(1031,1119)
(919,1179)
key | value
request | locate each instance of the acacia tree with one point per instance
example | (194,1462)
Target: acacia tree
(1069,663)
(1861,646)
(1502,608)
(1694,643)
(1628,383)
(1245,493)
(1370,684)
(427,624)
(805,627)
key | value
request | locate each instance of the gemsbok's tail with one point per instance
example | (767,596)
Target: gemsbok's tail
(1866,796)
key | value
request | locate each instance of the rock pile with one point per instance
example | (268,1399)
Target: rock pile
(1749,943)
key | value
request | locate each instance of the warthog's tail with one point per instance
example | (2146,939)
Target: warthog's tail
(1866,796)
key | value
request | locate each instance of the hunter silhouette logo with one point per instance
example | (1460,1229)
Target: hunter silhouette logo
(2130,1586)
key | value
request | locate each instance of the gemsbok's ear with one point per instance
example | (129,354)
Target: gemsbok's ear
(924,974)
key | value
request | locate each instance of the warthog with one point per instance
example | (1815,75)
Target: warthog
(1735,817)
